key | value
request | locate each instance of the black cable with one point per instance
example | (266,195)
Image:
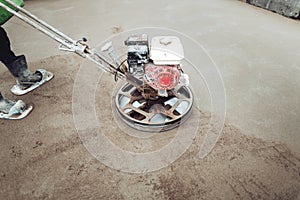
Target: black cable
(119,69)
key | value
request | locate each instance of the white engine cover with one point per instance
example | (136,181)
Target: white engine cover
(166,50)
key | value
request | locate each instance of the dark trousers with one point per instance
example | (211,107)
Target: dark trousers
(6,55)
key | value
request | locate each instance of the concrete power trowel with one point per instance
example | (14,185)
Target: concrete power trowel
(156,95)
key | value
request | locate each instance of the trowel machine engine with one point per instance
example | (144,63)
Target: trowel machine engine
(158,65)
(155,96)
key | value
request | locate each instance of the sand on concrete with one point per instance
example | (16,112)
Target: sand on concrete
(42,156)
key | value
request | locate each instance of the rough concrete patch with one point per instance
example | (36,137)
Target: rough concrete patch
(288,8)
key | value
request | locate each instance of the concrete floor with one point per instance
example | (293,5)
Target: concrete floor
(256,51)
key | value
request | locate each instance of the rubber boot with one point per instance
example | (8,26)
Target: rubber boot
(5,104)
(20,71)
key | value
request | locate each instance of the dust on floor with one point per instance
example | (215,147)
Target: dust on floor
(42,156)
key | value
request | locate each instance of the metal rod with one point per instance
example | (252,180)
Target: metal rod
(40,21)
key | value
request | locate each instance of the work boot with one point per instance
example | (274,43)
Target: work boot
(5,105)
(20,71)
(13,109)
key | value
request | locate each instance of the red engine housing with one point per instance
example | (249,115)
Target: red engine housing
(162,77)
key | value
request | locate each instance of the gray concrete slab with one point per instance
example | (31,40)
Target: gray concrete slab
(256,51)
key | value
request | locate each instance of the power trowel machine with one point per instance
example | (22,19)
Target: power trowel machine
(156,94)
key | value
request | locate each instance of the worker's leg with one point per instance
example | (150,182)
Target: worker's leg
(17,65)
(20,71)
(1,97)
(6,54)
(10,109)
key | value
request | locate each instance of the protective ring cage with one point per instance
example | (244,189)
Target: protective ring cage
(158,115)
